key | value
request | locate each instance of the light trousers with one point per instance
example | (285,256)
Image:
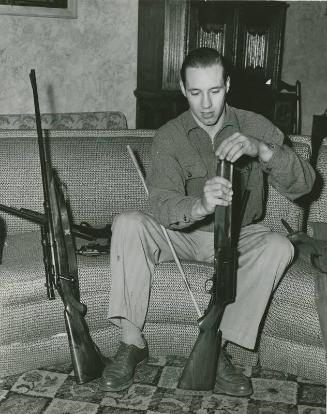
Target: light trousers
(138,244)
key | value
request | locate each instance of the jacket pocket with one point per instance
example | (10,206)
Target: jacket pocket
(196,170)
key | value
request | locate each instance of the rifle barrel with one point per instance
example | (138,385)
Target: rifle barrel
(23,213)
(84,232)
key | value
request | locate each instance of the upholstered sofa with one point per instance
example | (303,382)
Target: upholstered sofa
(102,182)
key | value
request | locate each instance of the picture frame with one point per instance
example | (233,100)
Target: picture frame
(45,11)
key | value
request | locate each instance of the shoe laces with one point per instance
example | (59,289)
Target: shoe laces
(226,358)
(227,361)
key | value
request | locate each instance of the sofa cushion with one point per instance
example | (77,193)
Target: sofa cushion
(95,166)
(291,339)
(29,320)
(288,210)
(33,326)
(23,294)
(286,355)
(26,313)
(295,298)
(100,177)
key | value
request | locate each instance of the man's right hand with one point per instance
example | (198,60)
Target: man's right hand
(217,191)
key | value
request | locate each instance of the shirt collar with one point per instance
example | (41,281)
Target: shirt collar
(230,120)
(189,121)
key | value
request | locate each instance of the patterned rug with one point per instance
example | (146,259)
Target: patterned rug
(52,390)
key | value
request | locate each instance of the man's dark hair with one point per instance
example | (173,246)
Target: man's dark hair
(204,57)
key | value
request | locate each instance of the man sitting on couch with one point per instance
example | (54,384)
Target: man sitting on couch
(183,194)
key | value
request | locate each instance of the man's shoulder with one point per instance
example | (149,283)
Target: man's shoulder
(177,123)
(257,125)
(245,116)
(173,130)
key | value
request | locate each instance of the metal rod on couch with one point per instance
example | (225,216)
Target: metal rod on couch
(178,263)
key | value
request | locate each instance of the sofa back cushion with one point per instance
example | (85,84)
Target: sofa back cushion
(94,165)
(278,206)
(100,177)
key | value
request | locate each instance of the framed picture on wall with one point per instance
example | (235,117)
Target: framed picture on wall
(40,8)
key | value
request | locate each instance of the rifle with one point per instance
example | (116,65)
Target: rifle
(199,374)
(83,230)
(60,261)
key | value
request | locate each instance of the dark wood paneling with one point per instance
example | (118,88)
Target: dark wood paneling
(249,90)
(151,22)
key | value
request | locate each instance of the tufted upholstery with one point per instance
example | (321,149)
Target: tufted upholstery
(102,182)
(291,334)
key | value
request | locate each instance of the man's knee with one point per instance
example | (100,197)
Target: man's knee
(279,245)
(128,221)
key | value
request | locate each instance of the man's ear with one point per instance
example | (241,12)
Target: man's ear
(227,84)
(181,85)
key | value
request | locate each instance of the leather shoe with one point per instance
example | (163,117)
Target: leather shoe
(118,374)
(230,380)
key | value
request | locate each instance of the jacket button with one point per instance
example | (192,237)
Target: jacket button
(189,174)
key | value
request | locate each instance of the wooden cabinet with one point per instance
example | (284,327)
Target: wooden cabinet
(249,34)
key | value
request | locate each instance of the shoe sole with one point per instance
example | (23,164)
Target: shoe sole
(127,384)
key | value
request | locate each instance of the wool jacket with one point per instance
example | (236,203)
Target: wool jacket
(183,159)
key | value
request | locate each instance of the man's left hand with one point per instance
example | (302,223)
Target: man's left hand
(233,147)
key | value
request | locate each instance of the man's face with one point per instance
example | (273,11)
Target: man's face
(205,91)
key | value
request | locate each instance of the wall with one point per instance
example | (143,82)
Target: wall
(84,64)
(305,55)
(89,64)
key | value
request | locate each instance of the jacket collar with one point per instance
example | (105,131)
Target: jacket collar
(229,121)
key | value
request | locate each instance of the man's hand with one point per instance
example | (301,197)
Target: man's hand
(233,147)
(217,191)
